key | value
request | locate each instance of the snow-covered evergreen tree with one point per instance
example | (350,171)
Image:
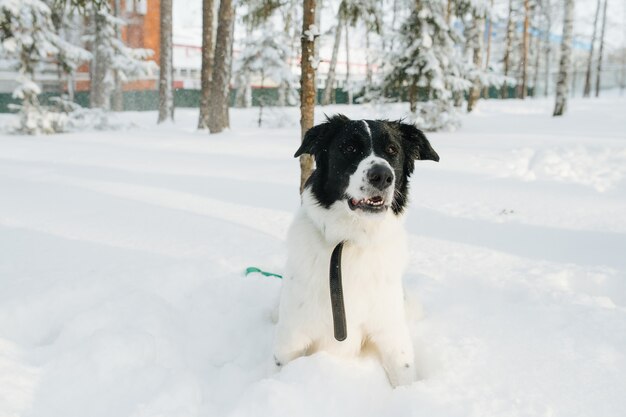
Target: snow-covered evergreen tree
(264,57)
(111,56)
(28,37)
(428,61)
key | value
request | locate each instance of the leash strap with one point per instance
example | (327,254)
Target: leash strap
(336,294)
(253,269)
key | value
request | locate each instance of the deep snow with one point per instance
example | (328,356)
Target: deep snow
(122,252)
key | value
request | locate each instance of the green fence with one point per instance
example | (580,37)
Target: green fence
(149,99)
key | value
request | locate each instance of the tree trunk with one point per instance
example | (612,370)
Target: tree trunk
(98,96)
(220,81)
(477,34)
(348,86)
(599,70)
(283,88)
(413,95)
(307,84)
(261,100)
(623,70)
(117,103)
(166,69)
(71,86)
(508,48)
(394,17)
(548,50)
(229,70)
(587,89)
(330,79)
(368,64)
(537,64)
(207,63)
(525,49)
(243,94)
(488,54)
(566,59)
(574,78)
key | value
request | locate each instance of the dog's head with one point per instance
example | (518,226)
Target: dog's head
(366,163)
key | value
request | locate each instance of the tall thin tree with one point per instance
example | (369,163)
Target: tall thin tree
(117,102)
(565,63)
(488,52)
(307,83)
(222,62)
(332,67)
(478,24)
(207,58)
(525,50)
(348,81)
(587,89)
(547,9)
(600,52)
(537,64)
(98,94)
(166,68)
(622,83)
(508,49)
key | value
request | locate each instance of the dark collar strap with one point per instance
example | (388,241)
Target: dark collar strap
(336,294)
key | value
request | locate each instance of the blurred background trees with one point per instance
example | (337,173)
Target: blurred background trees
(440,57)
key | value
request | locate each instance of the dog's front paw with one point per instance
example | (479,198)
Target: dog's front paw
(402,375)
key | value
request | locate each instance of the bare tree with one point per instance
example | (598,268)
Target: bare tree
(207,57)
(599,70)
(166,68)
(565,63)
(478,23)
(330,78)
(525,50)
(348,82)
(489,36)
(307,83)
(117,104)
(537,63)
(547,9)
(98,95)
(508,49)
(222,61)
(623,70)
(587,90)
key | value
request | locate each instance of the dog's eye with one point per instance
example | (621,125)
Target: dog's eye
(391,150)
(349,148)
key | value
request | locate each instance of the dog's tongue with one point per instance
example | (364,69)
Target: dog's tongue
(355,201)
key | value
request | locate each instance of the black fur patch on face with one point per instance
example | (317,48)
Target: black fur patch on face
(340,144)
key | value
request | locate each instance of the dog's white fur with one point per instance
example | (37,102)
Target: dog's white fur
(374,258)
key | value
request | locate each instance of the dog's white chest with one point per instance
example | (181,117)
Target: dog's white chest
(371,266)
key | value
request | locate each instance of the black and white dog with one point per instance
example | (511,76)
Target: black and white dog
(356,195)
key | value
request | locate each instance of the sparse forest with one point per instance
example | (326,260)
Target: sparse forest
(440,57)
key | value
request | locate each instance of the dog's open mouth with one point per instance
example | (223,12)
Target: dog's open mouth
(372,204)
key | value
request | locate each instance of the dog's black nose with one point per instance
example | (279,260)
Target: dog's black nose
(380,176)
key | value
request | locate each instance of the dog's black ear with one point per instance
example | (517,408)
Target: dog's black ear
(313,138)
(416,144)
(316,137)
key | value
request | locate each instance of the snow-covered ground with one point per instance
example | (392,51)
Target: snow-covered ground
(122,252)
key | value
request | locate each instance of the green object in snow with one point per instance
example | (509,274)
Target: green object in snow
(252,269)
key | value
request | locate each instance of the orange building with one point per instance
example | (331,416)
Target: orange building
(141,30)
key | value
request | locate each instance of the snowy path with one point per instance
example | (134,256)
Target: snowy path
(121,259)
